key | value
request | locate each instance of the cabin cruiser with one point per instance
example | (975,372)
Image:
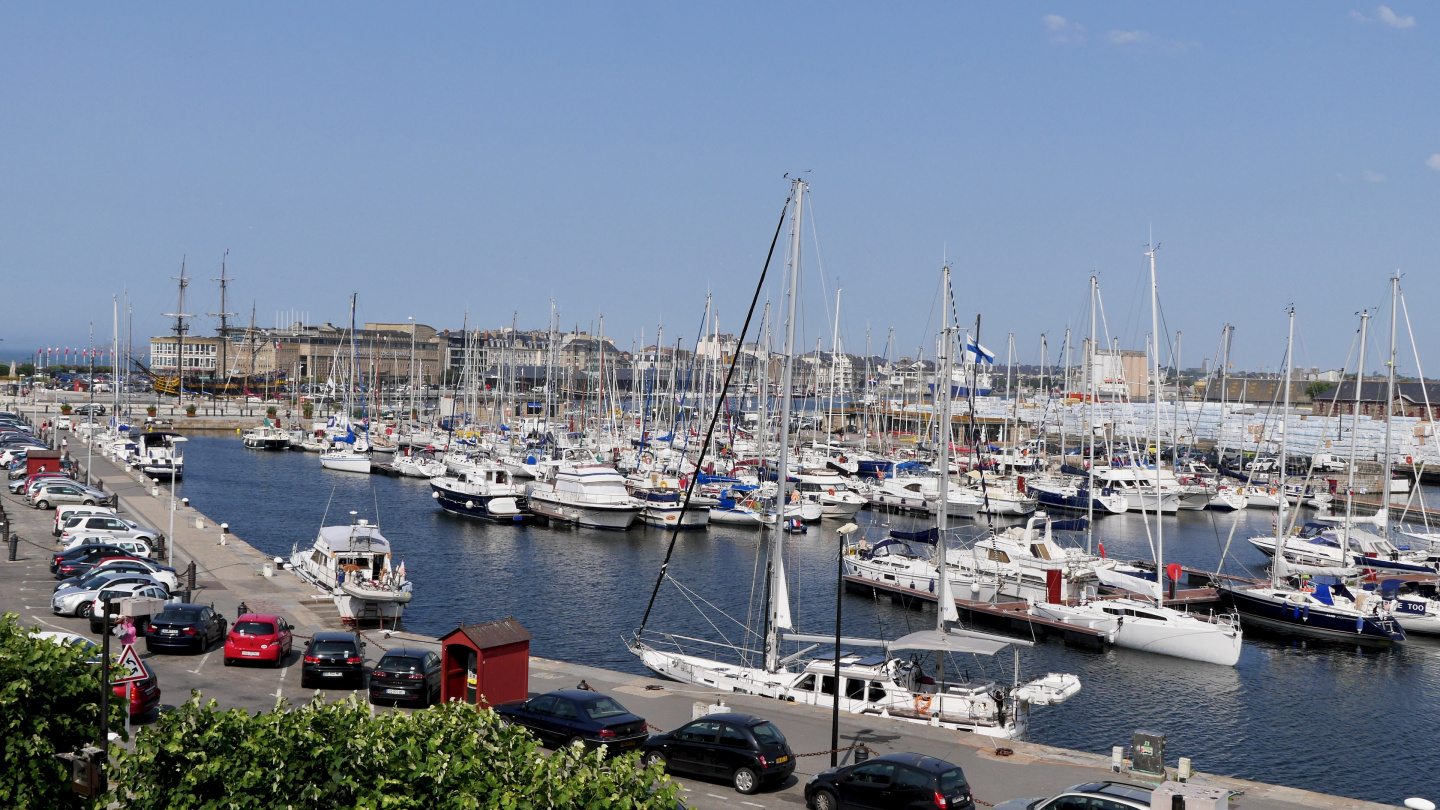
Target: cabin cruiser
(1075,495)
(826,488)
(997,496)
(419,465)
(486,491)
(740,505)
(159,454)
(345,457)
(587,494)
(1321,545)
(663,508)
(1137,484)
(352,564)
(266,437)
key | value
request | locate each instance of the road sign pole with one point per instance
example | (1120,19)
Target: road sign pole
(129,696)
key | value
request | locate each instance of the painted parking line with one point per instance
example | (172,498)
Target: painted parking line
(203,659)
(52,624)
(752,804)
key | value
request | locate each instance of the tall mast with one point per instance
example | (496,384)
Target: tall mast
(1355,430)
(945,601)
(779,595)
(1280,529)
(224,368)
(1175,403)
(179,315)
(1090,425)
(1155,367)
(1389,408)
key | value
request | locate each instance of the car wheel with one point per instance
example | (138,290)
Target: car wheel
(84,610)
(746,781)
(423,701)
(825,800)
(88,502)
(42,504)
(229,662)
(655,758)
(574,741)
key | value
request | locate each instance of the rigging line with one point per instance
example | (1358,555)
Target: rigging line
(686,589)
(714,417)
(685,593)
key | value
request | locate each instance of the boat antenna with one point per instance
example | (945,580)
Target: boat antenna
(714,417)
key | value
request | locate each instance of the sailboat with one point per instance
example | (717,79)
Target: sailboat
(883,684)
(1323,609)
(343,454)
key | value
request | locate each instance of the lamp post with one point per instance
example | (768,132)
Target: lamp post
(844,532)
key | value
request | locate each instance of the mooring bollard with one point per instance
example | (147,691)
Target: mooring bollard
(190,576)
(13,541)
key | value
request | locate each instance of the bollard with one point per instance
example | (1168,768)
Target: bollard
(13,540)
(185,502)
(190,576)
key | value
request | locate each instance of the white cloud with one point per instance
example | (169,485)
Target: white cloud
(1129,37)
(1145,39)
(1434,162)
(1372,177)
(1061,29)
(1385,15)
(1389,18)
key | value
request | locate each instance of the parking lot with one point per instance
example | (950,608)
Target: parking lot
(232,573)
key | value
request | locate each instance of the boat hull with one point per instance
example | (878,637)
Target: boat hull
(589,516)
(1275,614)
(345,463)
(494,508)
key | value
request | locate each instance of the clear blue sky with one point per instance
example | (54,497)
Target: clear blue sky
(626,158)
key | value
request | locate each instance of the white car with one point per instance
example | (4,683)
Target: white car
(63,422)
(64,512)
(139,548)
(106,525)
(133,589)
(164,574)
(73,640)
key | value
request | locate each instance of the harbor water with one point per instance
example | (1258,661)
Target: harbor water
(1336,719)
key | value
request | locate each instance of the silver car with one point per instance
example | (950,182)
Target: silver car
(77,600)
(1092,796)
(107,526)
(47,494)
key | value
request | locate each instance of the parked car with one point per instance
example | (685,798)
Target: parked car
(75,561)
(52,493)
(166,575)
(747,751)
(63,422)
(259,637)
(185,626)
(65,512)
(98,623)
(333,657)
(406,674)
(107,525)
(137,548)
(144,694)
(1097,795)
(908,781)
(78,598)
(22,486)
(578,715)
(89,408)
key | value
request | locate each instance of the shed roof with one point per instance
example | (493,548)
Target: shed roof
(492,634)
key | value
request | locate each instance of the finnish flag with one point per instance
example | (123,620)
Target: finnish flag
(979,354)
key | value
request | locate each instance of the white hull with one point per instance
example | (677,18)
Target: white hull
(586,515)
(668,517)
(345,462)
(740,517)
(1146,628)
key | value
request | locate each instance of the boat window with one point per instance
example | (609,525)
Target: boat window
(733,737)
(1140,615)
(999,556)
(1039,550)
(854,689)
(704,731)
(877,692)
(807,683)
(827,685)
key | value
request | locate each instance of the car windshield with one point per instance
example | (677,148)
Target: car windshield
(97,580)
(767,734)
(603,708)
(344,648)
(179,615)
(399,663)
(253,628)
(952,780)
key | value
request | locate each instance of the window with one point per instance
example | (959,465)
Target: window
(913,780)
(807,683)
(565,709)
(733,737)
(603,708)
(999,556)
(344,648)
(876,773)
(1069,803)
(877,692)
(951,779)
(854,689)
(827,685)
(541,705)
(261,629)
(704,731)
(767,734)
(1106,804)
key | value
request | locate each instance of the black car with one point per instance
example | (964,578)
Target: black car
(406,674)
(747,751)
(571,715)
(78,560)
(185,627)
(910,781)
(333,657)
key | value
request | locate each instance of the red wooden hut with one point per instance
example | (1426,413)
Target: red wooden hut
(487,662)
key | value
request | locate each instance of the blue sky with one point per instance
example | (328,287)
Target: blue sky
(625,159)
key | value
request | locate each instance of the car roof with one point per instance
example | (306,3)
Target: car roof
(583,695)
(736,719)
(406,652)
(918,761)
(1123,790)
(258,617)
(334,635)
(185,606)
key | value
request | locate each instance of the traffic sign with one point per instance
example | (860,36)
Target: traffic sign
(129,668)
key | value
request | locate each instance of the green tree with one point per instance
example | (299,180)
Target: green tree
(337,755)
(49,704)
(4,369)
(26,369)
(1315,389)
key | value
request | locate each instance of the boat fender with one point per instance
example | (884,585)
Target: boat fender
(999,697)
(1102,551)
(922,703)
(435,494)
(469,504)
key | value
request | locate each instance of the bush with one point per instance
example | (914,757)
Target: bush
(49,704)
(65,409)
(337,755)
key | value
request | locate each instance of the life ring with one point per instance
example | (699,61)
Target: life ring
(1408,461)
(922,703)
(832,490)
(794,497)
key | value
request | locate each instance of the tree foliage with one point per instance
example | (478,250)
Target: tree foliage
(1315,389)
(338,755)
(49,704)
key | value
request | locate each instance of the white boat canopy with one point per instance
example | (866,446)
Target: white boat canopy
(955,641)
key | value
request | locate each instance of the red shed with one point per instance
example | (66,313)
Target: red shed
(487,662)
(42,461)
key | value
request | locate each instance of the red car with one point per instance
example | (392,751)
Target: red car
(259,637)
(144,696)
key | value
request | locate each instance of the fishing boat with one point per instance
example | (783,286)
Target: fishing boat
(352,563)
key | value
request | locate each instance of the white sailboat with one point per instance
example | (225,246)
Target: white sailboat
(348,452)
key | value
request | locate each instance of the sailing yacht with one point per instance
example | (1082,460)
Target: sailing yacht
(886,684)
(348,452)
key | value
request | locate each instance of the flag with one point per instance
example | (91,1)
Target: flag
(978,353)
(277,345)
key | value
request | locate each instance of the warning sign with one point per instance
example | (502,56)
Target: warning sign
(128,669)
